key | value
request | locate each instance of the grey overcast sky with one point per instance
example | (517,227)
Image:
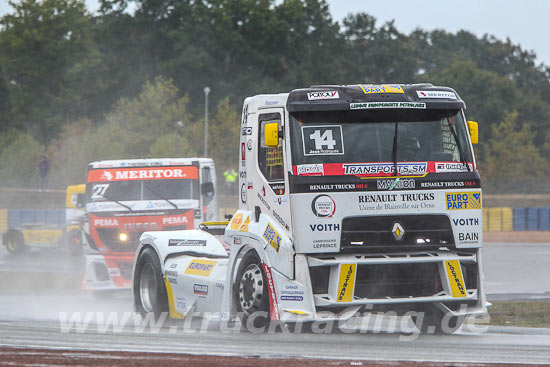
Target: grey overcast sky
(525,22)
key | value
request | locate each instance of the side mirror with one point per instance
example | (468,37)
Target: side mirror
(80,200)
(271,134)
(474,132)
(207,189)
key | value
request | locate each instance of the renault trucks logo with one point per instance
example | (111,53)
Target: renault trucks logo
(313,96)
(398,231)
(323,206)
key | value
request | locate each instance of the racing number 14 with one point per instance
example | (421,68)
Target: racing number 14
(325,139)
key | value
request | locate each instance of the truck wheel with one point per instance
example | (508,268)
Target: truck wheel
(251,293)
(74,242)
(149,289)
(15,242)
(435,322)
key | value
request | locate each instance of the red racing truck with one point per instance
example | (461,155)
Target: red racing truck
(125,198)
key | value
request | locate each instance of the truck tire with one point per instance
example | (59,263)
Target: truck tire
(15,242)
(149,289)
(435,322)
(251,293)
(73,241)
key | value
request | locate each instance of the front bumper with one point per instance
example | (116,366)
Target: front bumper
(405,281)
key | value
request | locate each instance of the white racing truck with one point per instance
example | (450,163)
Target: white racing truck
(353,199)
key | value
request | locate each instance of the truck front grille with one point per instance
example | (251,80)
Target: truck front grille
(397,280)
(376,233)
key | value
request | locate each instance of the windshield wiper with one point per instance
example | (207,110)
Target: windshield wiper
(394,151)
(118,202)
(460,151)
(162,197)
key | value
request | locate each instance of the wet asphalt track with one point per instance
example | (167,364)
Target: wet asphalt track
(29,316)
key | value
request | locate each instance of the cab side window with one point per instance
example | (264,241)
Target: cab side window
(270,159)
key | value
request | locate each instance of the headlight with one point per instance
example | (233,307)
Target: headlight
(123,237)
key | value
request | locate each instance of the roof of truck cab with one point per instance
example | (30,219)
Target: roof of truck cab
(149,162)
(373,96)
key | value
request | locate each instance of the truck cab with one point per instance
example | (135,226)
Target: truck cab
(125,198)
(372,194)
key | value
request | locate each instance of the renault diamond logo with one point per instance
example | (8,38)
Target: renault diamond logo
(398,231)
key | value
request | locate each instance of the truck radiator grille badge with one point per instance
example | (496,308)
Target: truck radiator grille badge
(398,231)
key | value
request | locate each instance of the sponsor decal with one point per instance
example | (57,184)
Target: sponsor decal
(105,222)
(250,185)
(236,221)
(324,243)
(456,280)
(220,283)
(441,167)
(242,174)
(202,268)
(243,155)
(263,201)
(468,238)
(244,227)
(323,140)
(314,96)
(272,237)
(466,222)
(145,173)
(323,206)
(176,242)
(271,103)
(278,188)
(140,227)
(174,265)
(243,193)
(171,276)
(364,169)
(237,241)
(337,187)
(346,284)
(324,227)
(463,200)
(377,202)
(280,219)
(445,184)
(114,272)
(376,105)
(292,298)
(246,131)
(200,289)
(273,305)
(435,94)
(398,184)
(310,169)
(386,198)
(249,144)
(175,220)
(382,88)
(280,201)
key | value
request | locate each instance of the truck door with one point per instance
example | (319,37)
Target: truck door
(272,191)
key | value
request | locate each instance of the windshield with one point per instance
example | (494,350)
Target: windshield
(143,190)
(412,139)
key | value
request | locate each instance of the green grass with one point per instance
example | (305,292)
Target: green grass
(520,313)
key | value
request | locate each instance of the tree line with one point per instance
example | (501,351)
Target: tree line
(82,87)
